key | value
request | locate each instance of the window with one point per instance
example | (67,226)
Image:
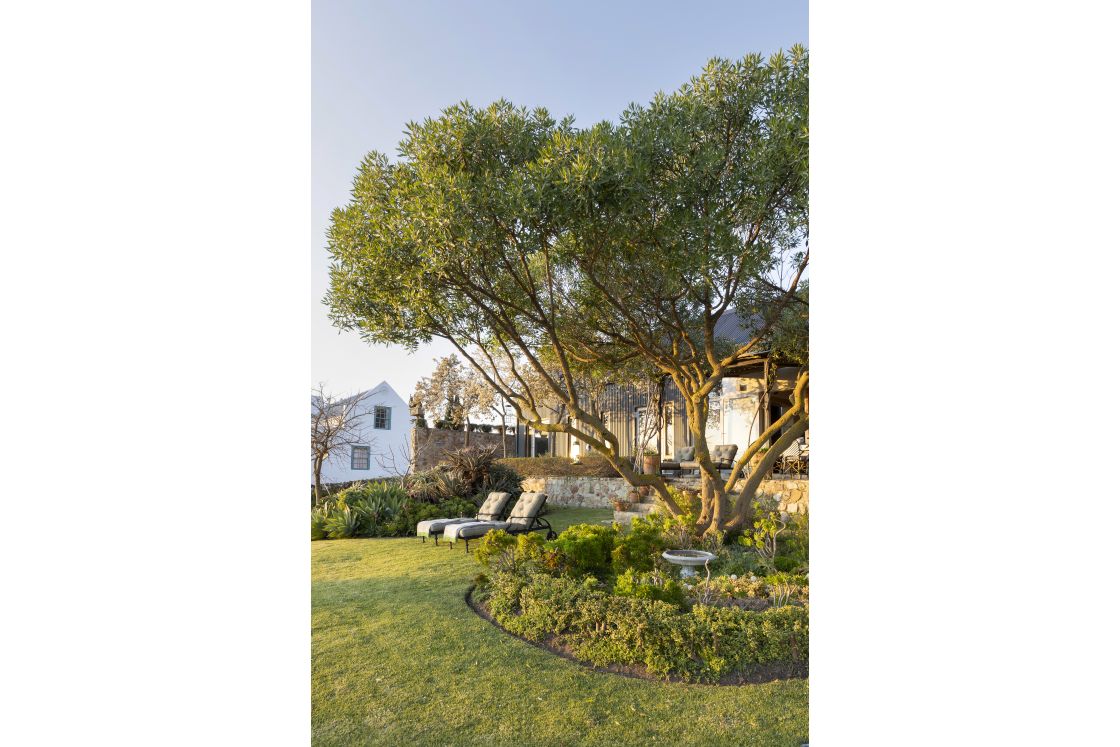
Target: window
(359,457)
(382,417)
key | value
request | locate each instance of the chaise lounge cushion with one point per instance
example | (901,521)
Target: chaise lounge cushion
(490,510)
(522,515)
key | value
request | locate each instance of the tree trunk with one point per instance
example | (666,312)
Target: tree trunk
(713,496)
(467,433)
(744,505)
(318,478)
(705,516)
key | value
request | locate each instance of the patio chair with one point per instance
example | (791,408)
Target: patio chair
(490,510)
(723,456)
(683,454)
(525,517)
(789,462)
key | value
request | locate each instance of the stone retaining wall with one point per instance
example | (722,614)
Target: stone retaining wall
(598,492)
(579,492)
(792,495)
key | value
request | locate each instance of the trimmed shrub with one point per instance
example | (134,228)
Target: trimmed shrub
(588,466)
(653,585)
(586,548)
(641,546)
(702,645)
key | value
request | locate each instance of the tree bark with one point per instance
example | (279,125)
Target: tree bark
(741,513)
(318,478)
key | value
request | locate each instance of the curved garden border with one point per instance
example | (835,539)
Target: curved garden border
(755,675)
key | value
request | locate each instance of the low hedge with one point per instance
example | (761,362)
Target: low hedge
(700,645)
(588,466)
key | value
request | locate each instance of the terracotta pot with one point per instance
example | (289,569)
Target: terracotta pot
(644,491)
(651,465)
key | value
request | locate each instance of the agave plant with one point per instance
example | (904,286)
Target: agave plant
(319,522)
(471,465)
(502,479)
(343,523)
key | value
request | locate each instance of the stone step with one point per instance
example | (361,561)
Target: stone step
(638,510)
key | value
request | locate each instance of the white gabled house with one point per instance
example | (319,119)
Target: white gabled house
(382,447)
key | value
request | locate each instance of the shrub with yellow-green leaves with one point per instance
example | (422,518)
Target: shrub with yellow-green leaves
(701,645)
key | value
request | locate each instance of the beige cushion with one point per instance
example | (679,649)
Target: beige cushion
(492,507)
(724,453)
(526,509)
(471,529)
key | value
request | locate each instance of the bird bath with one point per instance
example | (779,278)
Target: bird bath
(688,559)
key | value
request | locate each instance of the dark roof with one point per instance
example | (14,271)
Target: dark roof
(730,327)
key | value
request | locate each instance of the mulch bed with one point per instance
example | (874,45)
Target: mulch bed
(754,675)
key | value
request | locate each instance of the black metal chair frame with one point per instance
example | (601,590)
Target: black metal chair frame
(536,525)
(465,519)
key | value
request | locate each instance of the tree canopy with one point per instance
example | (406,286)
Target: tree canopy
(551,256)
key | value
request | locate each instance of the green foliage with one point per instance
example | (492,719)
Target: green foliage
(640,547)
(343,523)
(318,524)
(467,473)
(402,602)
(586,548)
(588,466)
(736,560)
(472,465)
(379,512)
(785,588)
(702,644)
(501,479)
(763,536)
(653,585)
(793,552)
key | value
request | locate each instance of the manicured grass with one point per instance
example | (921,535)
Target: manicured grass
(399,659)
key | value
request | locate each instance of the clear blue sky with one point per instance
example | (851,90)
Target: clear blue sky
(377,65)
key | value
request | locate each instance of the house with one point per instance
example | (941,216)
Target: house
(741,409)
(379,445)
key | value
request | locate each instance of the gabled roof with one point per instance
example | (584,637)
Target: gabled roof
(381,388)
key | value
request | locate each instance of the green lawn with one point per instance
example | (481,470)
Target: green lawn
(399,659)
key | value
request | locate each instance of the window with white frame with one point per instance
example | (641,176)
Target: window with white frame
(359,457)
(382,417)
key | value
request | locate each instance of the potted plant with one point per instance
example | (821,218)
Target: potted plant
(621,504)
(651,462)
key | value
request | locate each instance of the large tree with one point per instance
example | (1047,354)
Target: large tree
(710,219)
(553,257)
(451,395)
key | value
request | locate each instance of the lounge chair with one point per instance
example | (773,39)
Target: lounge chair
(723,456)
(525,517)
(683,454)
(490,510)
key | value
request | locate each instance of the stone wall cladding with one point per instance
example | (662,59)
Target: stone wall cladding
(579,492)
(598,492)
(792,495)
(431,444)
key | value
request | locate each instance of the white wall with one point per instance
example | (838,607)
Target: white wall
(739,416)
(393,445)
(738,413)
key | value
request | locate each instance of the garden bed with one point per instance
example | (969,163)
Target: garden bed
(753,675)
